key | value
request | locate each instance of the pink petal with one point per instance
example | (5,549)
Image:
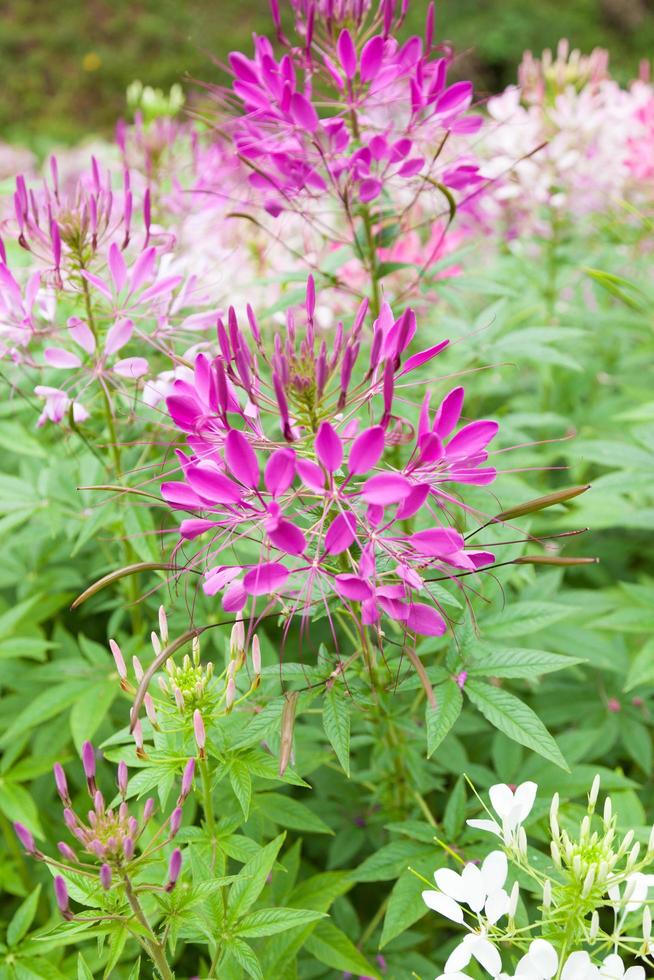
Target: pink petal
(241,459)
(449,412)
(471,439)
(371,58)
(329,448)
(119,335)
(131,367)
(456,98)
(60,358)
(369,189)
(430,449)
(416,360)
(437,541)
(347,53)
(288,538)
(143,268)
(160,288)
(366,450)
(340,535)
(212,485)
(412,504)
(117,267)
(475,477)
(303,112)
(280,471)
(310,474)
(424,620)
(98,283)
(353,587)
(265,578)
(217,578)
(386,488)
(82,334)
(181,496)
(235,597)
(194,527)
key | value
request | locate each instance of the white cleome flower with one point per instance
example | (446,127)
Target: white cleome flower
(635,891)
(511,806)
(542,963)
(614,969)
(480,888)
(474,946)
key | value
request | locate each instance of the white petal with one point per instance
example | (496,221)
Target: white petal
(613,967)
(494,871)
(486,954)
(461,955)
(501,799)
(496,906)
(454,976)
(443,905)
(527,969)
(451,883)
(543,957)
(614,893)
(635,973)
(475,888)
(579,967)
(488,825)
(525,796)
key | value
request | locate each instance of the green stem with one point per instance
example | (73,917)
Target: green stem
(207,801)
(155,949)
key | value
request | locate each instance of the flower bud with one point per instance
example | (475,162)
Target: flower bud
(137,735)
(62,785)
(230,693)
(156,643)
(148,704)
(128,848)
(148,809)
(105,877)
(163,686)
(25,837)
(61,895)
(138,669)
(174,868)
(179,699)
(594,926)
(70,819)
(589,881)
(163,625)
(554,814)
(647,923)
(256,656)
(88,762)
(98,802)
(608,810)
(547,894)
(67,853)
(199,732)
(187,780)
(122,778)
(175,821)
(195,650)
(594,792)
(119,661)
(237,639)
(556,853)
(513,900)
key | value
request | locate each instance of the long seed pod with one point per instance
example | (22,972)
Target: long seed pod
(540,503)
(288,721)
(142,566)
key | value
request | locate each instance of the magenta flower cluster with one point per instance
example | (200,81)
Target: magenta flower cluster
(329,512)
(351,112)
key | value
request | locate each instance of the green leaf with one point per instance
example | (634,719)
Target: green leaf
(241,782)
(44,706)
(252,878)
(246,957)
(332,947)
(17,804)
(455,810)
(291,813)
(119,937)
(439,720)
(523,618)
(516,719)
(83,972)
(89,711)
(493,661)
(336,722)
(267,922)
(23,917)
(641,670)
(405,906)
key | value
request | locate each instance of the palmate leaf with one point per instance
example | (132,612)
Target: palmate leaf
(252,878)
(23,917)
(516,719)
(336,722)
(490,660)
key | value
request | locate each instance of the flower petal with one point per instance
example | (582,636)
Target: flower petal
(329,448)
(366,450)
(424,620)
(443,905)
(280,472)
(353,587)
(340,535)
(241,459)
(212,485)
(386,488)
(60,358)
(264,578)
(119,334)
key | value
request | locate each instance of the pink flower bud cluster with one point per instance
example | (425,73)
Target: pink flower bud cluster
(105,834)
